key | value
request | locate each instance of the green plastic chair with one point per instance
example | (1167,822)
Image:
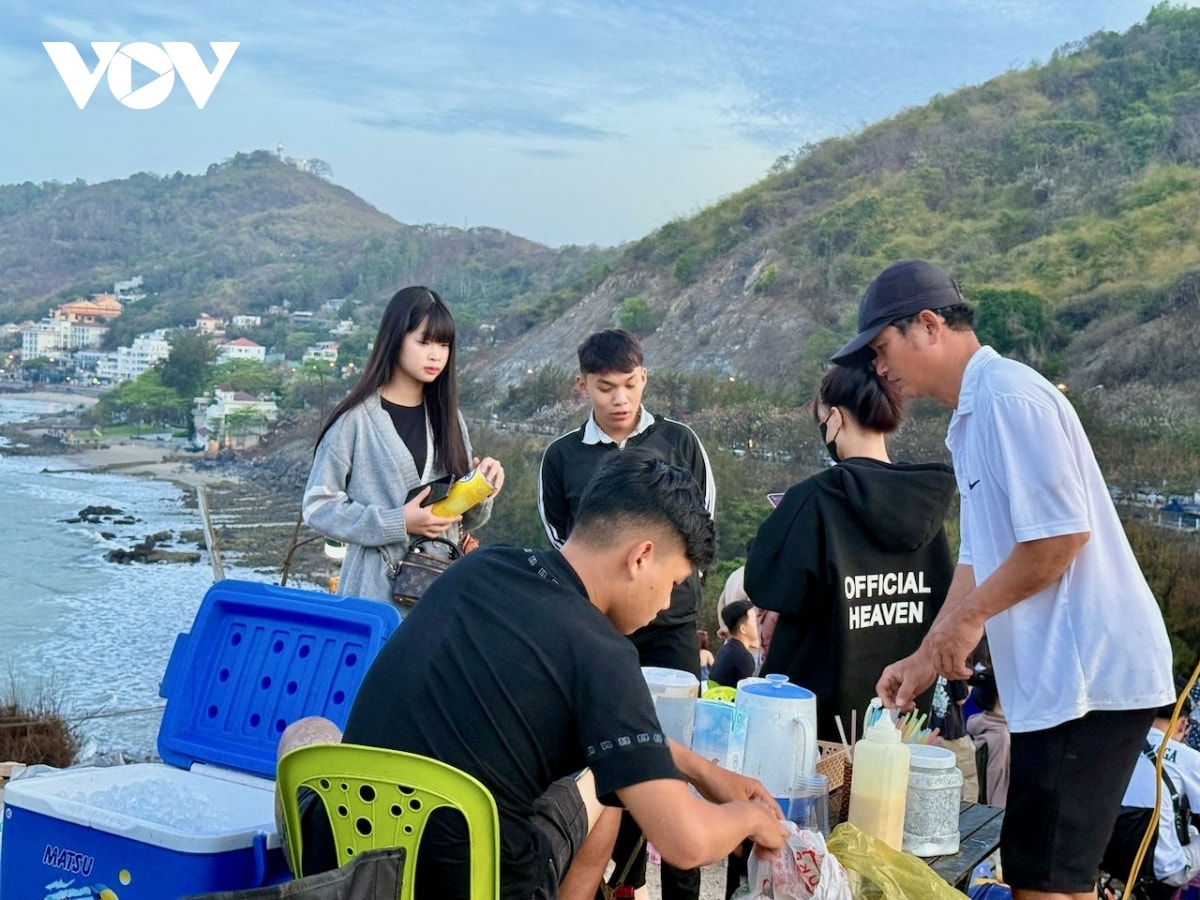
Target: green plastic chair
(379,798)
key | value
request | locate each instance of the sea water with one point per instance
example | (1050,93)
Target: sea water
(93,635)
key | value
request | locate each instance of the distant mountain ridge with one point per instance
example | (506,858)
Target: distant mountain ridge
(251,232)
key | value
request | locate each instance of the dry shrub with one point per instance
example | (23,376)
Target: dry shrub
(36,732)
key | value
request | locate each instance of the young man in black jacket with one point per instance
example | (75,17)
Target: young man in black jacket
(614,378)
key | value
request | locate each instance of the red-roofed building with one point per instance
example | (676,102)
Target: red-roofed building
(241,348)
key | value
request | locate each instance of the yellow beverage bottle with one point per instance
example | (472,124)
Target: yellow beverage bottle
(473,488)
(879,784)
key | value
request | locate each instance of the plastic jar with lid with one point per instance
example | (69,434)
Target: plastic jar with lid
(934,792)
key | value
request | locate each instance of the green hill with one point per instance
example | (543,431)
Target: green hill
(1065,198)
(251,232)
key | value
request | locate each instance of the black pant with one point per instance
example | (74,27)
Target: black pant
(670,647)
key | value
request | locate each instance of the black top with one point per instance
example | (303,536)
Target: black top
(856,562)
(410,425)
(733,663)
(946,713)
(480,676)
(567,466)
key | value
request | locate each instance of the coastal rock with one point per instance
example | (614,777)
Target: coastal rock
(150,550)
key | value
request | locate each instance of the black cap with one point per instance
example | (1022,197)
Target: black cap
(735,612)
(901,290)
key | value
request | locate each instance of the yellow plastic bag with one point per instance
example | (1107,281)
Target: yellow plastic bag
(877,872)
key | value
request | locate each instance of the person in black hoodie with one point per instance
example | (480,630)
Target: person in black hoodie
(855,559)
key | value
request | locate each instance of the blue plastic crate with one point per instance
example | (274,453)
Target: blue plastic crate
(257,658)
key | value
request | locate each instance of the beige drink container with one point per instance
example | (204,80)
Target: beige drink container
(879,785)
(471,489)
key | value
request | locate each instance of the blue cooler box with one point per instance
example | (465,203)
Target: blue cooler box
(258,658)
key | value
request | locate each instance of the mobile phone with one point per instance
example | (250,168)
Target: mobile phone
(438,490)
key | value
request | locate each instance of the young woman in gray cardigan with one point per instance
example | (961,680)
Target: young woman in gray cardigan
(397,429)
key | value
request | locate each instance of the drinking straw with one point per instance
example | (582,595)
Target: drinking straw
(853,726)
(841,731)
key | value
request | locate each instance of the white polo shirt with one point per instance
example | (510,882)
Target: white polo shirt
(1094,639)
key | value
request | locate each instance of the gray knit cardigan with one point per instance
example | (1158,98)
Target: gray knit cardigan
(361,474)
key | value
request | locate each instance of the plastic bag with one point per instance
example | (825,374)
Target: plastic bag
(803,870)
(877,872)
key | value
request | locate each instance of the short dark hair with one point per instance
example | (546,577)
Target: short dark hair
(862,393)
(733,614)
(633,488)
(959,317)
(1168,710)
(613,350)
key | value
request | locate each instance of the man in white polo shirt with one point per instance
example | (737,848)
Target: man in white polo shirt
(1080,652)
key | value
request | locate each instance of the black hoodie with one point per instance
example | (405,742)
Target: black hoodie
(856,562)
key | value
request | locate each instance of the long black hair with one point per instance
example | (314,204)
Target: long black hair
(405,313)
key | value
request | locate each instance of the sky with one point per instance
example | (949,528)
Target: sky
(564,122)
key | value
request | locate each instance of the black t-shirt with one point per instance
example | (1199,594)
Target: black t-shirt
(946,712)
(410,425)
(733,663)
(506,671)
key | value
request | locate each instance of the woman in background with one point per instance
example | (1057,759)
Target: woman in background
(855,559)
(398,429)
(706,655)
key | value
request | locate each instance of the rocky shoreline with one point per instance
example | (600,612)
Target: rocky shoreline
(253,494)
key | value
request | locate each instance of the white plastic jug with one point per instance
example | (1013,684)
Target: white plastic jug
(879,784)
(675,693)
(781,732)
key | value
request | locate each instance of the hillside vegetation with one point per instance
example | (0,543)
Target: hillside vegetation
(1064,197)
(251,232)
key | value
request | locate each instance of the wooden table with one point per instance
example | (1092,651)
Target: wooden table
(979,836)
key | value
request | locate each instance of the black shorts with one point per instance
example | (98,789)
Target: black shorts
(561,816)
(1064,793)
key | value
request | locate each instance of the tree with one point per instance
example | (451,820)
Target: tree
(247,375)
(145,401)
(186,370)
(38,368)
(635,315)
(1013,322)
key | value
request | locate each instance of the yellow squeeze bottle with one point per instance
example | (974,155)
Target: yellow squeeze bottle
(473,488)
(879,783)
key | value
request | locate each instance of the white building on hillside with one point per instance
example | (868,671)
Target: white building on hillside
(326,351)
(231,418)
(78,325)
(206,324)
(147,350)
(241,348)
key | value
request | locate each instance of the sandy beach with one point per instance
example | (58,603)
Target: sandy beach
(148,457)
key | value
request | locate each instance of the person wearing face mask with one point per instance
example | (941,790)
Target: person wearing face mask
(855,559)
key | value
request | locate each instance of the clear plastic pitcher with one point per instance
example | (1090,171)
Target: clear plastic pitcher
(675,693)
